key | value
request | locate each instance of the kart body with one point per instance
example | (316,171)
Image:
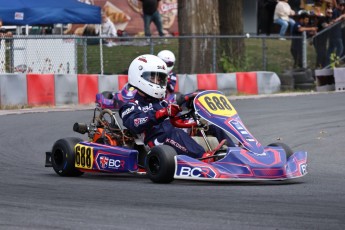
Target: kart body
(112,148)
(250,161)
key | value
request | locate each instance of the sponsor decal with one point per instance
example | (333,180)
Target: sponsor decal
(194,172)
(19,16)
(236,125)
(249,139)
(147,108)
(161,67)
(140,121)
(143,59)
(177,145)
(106,162)
(127,111)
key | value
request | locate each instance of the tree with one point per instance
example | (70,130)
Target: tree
(209,17)
(231,50)
(197,17)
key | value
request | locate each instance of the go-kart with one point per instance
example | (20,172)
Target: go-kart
(112,148)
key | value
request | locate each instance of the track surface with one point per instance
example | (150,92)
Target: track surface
(34,197)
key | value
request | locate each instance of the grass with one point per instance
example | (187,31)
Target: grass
(117,59)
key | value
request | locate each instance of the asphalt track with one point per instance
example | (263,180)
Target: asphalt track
(34,197)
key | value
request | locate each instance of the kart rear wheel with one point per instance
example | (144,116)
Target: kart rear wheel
(160,164)
(63,157)
(287,149)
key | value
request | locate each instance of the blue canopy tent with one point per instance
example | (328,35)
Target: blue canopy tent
(35,12)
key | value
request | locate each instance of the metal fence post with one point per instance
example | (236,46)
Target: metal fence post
(101,55)
(151,46)
(214,55)
(304,50)
(11,55)
(264,54)
(84,43)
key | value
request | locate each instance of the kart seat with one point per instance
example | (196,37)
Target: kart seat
(213,141)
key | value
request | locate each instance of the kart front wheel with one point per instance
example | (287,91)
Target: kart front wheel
(63,157)
(160,164)
(287,149)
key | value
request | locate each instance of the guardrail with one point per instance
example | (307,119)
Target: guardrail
(62,89)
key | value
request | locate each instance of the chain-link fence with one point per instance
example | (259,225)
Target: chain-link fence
(95,55)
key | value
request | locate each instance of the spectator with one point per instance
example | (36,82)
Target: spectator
(108,29)
(321,39)
(336,40)
(282,15)
(150,14)
(315,6)
(3,31)
(296,44)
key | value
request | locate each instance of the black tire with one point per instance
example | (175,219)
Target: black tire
(287,82)
(287,149)
(160,164)
(303,76)
(63,157)
(305,86)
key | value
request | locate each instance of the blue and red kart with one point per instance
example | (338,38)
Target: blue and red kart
(112,148)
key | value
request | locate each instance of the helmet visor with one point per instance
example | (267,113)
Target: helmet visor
(156,77)
(170,63)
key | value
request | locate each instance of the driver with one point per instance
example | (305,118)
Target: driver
(146,113)
(169,58)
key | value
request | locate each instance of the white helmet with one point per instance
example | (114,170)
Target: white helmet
(168,57)
(148,73)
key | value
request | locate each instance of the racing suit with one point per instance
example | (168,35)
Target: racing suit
(139,116)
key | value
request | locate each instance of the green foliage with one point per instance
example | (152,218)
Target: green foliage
(335,60)
(230,65)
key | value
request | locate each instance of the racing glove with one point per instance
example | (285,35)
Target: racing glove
(171,111)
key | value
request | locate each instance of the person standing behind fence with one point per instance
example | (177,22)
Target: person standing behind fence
(336,41)
(150,14)
(297,43)
(108,29)
(321,39)
(282,15)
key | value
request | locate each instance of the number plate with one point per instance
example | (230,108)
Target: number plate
(217,104)
(83,156)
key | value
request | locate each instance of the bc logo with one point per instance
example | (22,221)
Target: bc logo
(194,172)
